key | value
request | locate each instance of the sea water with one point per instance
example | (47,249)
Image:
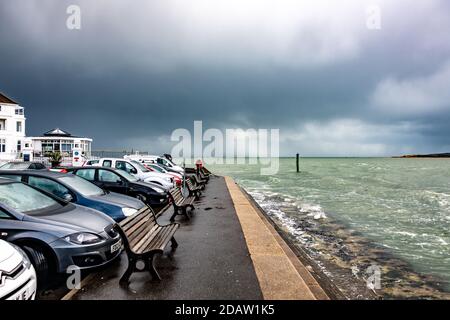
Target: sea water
(353,213)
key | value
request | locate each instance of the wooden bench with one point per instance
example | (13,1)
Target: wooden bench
(206,172)
(202,176)
(199,182)
(194,191)
(159,211)
(143,238)
(180,202)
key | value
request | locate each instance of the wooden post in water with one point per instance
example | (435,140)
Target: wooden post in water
(298,167)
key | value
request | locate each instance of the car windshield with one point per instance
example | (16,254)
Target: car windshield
(140,166)
(15,165)
(26,199)
(82,186)
(128,176)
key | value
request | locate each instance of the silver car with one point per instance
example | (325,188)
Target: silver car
(54,233)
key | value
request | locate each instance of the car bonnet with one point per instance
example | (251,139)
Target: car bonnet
(73,219)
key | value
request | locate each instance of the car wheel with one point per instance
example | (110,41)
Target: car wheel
(39,261)
(141,197)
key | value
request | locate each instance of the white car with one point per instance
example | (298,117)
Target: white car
(162,161)
(139,171)
(17,275)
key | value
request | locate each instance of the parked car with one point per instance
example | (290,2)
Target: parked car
(54,233)
(139,171)
(16,165)
(178,178)
(90,162)
(120,181)
(167,164)
(17,275)
(77,190)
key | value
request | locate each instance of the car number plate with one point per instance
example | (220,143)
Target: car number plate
(25,294)
(116,246)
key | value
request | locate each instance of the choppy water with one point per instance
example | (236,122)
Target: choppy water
(350,213)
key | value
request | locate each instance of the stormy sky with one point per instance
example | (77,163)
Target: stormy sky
(137,70)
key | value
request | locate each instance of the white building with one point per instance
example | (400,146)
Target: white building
(57,140)
(14,145)
(12,128)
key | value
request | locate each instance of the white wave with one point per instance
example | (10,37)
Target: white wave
(405,233)
(443,199)
(314,211)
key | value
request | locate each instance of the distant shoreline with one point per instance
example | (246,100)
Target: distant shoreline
(433,155)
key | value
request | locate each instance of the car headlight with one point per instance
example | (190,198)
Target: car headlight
(83,238)
(25,259)
(168,179)
(128,211)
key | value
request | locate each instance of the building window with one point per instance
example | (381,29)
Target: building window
(2,145)
(19,111)
(19,145)
(19,126)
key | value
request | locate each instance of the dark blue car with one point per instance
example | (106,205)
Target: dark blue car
(78,190)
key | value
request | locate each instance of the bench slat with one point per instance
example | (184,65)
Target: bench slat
(145,241)
(151,241)
(149,229)
(169,236)
(162,238)
(128,222)
(137,227)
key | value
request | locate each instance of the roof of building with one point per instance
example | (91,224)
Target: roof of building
(5,99)
(57,132)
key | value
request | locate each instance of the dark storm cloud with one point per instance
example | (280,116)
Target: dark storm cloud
(139,69)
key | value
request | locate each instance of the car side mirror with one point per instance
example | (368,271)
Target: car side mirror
(120,182)
(68,197)
(133,171)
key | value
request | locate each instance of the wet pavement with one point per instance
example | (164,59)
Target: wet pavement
(212,260)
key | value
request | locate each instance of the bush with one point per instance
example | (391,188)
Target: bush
(55,159)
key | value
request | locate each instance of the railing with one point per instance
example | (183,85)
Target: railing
(65,161)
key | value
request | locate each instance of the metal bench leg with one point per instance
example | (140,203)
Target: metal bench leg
(152,269)
(126,276)
(175,212)
(174,243)
(184,211)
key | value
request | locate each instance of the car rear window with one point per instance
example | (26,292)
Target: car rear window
(82,186)
(16,166)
